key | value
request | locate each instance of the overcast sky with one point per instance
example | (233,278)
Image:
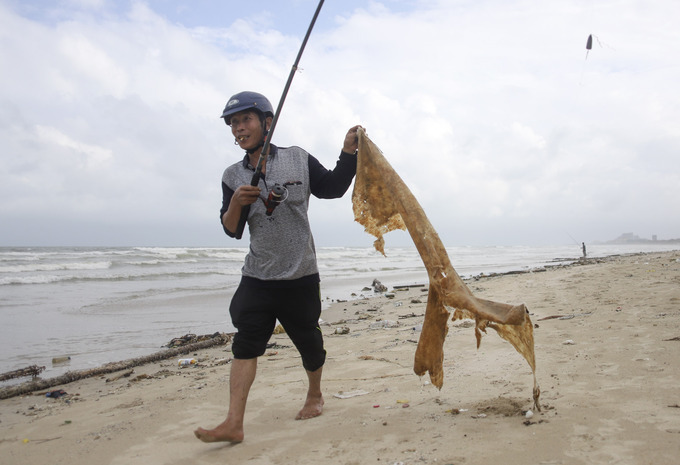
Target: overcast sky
(492,111)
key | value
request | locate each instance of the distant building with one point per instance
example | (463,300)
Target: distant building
(630,238)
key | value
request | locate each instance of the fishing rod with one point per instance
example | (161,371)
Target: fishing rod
(572,238)
(582,245)
(265,148)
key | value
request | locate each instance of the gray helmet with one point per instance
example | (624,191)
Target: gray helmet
(247,100)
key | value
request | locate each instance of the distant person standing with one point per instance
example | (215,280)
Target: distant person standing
(583,246)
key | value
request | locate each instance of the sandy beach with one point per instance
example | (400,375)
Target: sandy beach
(607,340)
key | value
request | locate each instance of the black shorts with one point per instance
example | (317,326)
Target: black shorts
(254,311)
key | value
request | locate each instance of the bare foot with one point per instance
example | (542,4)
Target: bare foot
(313,408)
(219,434)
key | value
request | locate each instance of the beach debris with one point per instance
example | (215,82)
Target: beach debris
(384,324)
(191,339)
(556,317)
(378,286)
(39,441)
(33,371)
(350,394)
(564,317)
(56,394)
(569,342)
(410,315)
(139,378)
(341,330)
(382,202)
(71,376)
(390,295)
(371,357)
(676,338)
(529,414)
(406,287)
(276,345)
(60,360)
(186,362)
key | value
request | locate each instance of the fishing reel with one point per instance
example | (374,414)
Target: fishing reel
(277,195)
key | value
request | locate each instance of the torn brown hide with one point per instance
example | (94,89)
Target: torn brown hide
(383,203)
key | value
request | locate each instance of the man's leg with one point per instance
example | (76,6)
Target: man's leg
(314,403)
(241,379)
(299,314)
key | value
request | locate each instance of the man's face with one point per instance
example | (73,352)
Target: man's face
(246,128)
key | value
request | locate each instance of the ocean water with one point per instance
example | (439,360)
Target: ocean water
(99,305)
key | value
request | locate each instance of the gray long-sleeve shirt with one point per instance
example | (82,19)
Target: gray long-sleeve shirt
(282,245)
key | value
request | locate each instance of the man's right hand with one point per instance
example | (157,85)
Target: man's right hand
(246,195)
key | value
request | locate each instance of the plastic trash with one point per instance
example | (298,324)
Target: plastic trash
(383,324)
(350,394)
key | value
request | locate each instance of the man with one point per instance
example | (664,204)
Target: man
(280,278)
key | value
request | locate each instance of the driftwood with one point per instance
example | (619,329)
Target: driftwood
(33,370)
(382,203)
(70,376)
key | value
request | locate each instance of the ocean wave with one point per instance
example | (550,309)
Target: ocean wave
(40,279)
(167,276)
(184,253)
(38,267)
(352,269)
(158,262)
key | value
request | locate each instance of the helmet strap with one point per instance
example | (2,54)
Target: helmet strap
(265,131)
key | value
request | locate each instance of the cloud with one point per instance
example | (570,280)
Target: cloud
(490,111)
